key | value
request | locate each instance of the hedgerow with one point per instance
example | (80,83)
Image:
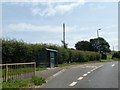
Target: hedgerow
(116,55)
(14,51)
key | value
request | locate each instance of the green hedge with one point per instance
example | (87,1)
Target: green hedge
(83,56)
(116,55)
(14,51)
(103,56)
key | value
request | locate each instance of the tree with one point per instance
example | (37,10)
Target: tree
(100,44)
(83,45)
(96,44)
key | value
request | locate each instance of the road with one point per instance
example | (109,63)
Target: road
(96,75)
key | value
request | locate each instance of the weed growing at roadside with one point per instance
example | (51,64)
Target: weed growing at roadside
(38,80)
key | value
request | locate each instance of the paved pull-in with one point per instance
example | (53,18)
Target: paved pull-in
(97,75)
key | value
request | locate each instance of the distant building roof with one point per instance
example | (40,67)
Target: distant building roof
(52,50)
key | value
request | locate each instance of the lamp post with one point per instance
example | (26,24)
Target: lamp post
(98,41)
(98,32)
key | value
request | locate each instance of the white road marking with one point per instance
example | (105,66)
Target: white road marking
(85,75)
(98,67)
(80,78)
(113,65)
(101,66)
(88,66)
(77,66)
(94,69)
(58,73)
(92,66)
(73,83)
(91,70)
(88,72)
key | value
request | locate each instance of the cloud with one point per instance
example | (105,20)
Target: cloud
(102,0)
(42,1)
(96,7)
(19,27)
(52,9)
(59,0)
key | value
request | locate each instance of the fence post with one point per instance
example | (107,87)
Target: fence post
(35,68)
(6,73)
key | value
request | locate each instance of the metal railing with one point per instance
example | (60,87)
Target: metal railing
(17,71)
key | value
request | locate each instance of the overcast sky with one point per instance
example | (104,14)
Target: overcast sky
(41,22)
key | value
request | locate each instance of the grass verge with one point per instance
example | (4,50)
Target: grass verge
(104,60)
(68,64)
(41,69)
(23,83)
(77,63)
(38,80)
(15,84)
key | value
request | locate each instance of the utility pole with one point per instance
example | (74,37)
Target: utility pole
(63,41)
(64,34)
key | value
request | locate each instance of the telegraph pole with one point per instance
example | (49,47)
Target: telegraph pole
(63,41)
(64,33)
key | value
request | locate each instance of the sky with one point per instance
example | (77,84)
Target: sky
(41,22)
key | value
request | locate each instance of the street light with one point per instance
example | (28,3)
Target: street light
(98,32)
(98,41)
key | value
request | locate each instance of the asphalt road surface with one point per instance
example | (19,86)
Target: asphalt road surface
(96,75)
